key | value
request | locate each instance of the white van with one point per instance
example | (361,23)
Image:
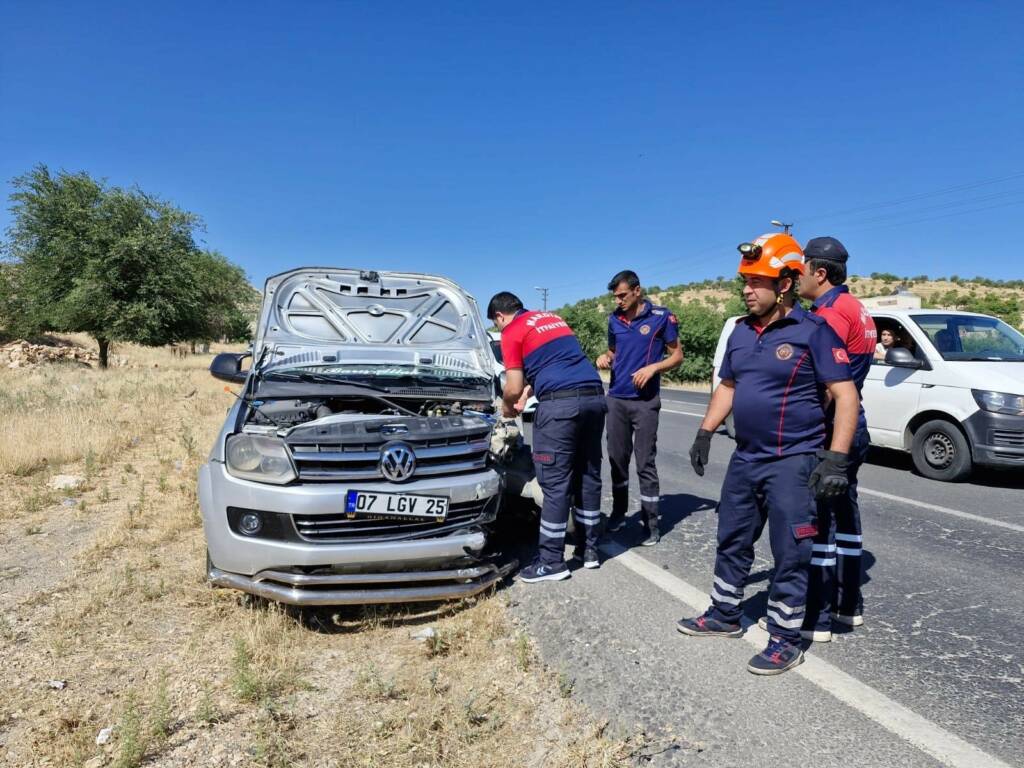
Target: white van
(950,392)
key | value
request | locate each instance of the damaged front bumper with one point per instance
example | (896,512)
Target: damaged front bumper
(311,589)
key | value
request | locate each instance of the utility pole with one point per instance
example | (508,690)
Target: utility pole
(785,227)
(544,294)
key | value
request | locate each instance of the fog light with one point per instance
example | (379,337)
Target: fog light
(250,524)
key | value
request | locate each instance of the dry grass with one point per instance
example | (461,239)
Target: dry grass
(104,589)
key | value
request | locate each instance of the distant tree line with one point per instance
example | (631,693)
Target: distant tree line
(117,264)
(701,322)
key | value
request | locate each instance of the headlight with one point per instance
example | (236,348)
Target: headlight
(999,402)
(259,458)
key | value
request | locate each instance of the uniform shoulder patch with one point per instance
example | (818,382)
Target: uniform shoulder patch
(657,311)
(840,356)
(673,319)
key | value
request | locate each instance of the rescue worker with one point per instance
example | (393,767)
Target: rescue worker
(639,333)
(779,362)
(835,591)
(540,350)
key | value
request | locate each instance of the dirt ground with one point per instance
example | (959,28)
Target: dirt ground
(106,621)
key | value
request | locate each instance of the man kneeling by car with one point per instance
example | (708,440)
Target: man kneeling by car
(540,348)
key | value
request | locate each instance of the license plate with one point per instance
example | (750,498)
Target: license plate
(401,505)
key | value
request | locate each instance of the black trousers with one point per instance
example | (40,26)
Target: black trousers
(633,431)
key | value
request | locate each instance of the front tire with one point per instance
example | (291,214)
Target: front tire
(941,452)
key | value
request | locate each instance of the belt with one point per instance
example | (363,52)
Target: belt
(561,394)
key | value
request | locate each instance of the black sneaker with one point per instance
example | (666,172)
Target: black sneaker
(776,658)
(653,537)
(538,571)
(587,556)
(705,626)
(616,521)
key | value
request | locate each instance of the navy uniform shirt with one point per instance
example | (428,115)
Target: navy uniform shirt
(780,372)
(544,346)
(638,343)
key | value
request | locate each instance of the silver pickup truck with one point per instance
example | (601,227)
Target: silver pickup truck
(362,462)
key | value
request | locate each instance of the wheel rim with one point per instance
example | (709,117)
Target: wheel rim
(939,450)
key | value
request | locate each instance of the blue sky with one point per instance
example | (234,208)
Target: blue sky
(510,145)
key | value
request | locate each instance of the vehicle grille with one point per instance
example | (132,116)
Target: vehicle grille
(1008,437)
(444,456)
(333,528)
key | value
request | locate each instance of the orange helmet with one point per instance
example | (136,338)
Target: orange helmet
(770,254)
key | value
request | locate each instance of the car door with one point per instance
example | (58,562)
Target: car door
(890,394)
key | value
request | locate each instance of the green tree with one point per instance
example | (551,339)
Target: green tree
(117,264)
(589,324)
(227,299)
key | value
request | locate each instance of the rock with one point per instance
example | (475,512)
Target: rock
(65,482)
(68,502)
(94,762)
(57,685)
(424,634)
(103,737)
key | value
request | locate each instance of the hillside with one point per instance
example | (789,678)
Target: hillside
(703,307)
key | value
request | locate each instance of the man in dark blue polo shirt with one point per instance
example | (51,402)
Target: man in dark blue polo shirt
(639,335)
(779,363)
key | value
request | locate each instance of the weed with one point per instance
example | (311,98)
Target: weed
(161,719)
(522,651)
(161,483)
(129,469)
(377,687)
(565,685)
(438,644)
(153,591)
(206,711)
(90,463)
(244,680)
(105,493)
(33,530)
(129,734)
(270,749)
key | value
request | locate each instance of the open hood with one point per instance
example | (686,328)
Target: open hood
(323,315)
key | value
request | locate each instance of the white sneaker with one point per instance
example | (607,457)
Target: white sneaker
(855,620)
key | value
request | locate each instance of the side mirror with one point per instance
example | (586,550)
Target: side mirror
(227,366)
(901,357)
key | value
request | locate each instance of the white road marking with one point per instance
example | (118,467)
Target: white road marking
(682,413)
(947,748)
(943,510)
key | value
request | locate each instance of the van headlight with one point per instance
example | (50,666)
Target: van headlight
(999,402)
(260,458)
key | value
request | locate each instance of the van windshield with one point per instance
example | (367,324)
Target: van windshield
(972,337)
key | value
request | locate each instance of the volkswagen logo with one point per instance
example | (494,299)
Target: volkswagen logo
(397,462)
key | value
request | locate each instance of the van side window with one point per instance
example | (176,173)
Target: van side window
(891,333)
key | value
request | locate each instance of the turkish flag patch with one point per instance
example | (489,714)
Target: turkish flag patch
(840,356)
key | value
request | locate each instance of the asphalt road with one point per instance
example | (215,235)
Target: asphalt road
(934,677)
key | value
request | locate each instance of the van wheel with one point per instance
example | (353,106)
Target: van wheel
(730,427)
(940,451)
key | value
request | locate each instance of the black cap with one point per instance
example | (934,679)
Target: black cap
(825,249)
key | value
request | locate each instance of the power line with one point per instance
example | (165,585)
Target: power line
(911,198)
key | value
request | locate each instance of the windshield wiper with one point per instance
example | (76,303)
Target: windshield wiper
(319,378)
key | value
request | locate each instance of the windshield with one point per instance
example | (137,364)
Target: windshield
(380,376)
(972,337)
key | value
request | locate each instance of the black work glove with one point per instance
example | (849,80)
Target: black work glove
(829,478)
(700,450)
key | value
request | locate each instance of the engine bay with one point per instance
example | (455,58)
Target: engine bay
(285,413)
